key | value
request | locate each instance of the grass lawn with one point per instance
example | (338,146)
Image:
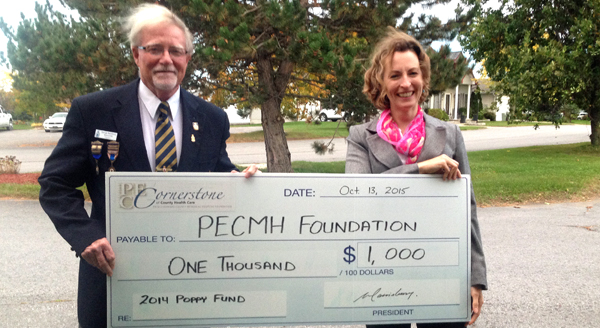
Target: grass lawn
(471,127)
(297,131)
(505,123)
(536,174)
(583,122)
(244,125)
(22,126)
(302,131)
(19,191)
(28,191)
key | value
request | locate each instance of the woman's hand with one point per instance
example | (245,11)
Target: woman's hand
(249,171)
(477,299)
(441,165)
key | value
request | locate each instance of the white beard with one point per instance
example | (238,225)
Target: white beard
(164,81)
(165,84)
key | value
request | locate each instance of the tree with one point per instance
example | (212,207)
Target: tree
(276,39)
(5,80)
(476,102)
(55,59)
(543,54)
(262,53)
(7,97)
(7,100)
(446,72)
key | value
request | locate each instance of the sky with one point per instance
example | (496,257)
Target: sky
(443,12)
(12,9)
(11,14)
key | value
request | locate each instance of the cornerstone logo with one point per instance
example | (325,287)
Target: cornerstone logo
(178,197)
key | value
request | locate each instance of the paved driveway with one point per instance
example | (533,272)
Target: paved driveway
(543,267)
(31,147)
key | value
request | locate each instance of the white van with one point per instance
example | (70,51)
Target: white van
(6,120)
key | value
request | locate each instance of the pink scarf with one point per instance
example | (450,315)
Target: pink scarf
(409,144)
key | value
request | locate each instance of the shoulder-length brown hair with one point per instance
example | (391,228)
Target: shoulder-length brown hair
(393,41)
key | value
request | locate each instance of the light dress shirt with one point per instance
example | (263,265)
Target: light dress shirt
(149,115)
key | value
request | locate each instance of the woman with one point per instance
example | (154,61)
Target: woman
(406,140)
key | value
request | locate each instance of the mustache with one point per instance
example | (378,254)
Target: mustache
(168,68)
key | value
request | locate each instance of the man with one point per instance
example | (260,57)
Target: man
(150,124)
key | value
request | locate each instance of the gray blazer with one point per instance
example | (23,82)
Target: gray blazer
(368,153)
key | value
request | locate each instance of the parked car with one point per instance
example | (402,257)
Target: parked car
(330,115)
(6,120)
(55,122)
(583,115)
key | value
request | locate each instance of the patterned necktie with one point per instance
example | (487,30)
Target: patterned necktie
(166,153)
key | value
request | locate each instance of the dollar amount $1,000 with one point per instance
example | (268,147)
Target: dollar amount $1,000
(393,253)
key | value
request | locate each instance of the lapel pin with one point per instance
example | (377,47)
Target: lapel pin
(193,138)
(113,152)
(195,126)
(97,153)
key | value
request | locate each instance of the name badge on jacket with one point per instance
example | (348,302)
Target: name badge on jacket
(106,135)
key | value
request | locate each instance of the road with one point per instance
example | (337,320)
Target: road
(543,263)
(32,147)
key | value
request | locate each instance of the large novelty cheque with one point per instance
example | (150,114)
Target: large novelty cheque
(287,249)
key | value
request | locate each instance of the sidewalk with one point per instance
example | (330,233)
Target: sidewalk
(244,129)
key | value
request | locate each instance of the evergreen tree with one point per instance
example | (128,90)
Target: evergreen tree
(446,72)
(476,102)
(56,59)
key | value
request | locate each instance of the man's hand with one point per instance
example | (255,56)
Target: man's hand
(249,171)
(477,299)
(100,255)
(441,165)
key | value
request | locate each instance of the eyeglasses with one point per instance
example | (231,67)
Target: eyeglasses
(158,50)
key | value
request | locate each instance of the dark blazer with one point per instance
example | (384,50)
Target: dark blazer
(368,153)
(72,165)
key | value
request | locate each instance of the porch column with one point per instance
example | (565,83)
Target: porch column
(456,103)
(468,101)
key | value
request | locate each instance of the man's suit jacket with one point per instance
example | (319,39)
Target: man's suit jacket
(71,165)
(368,153)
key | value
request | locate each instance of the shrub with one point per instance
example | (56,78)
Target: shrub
(290,113)
(439,114)
(244,112)
(489,112)
(570,112)
(489,115)
(22,116)
(10,164)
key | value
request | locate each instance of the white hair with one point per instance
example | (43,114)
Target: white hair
(146,15)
